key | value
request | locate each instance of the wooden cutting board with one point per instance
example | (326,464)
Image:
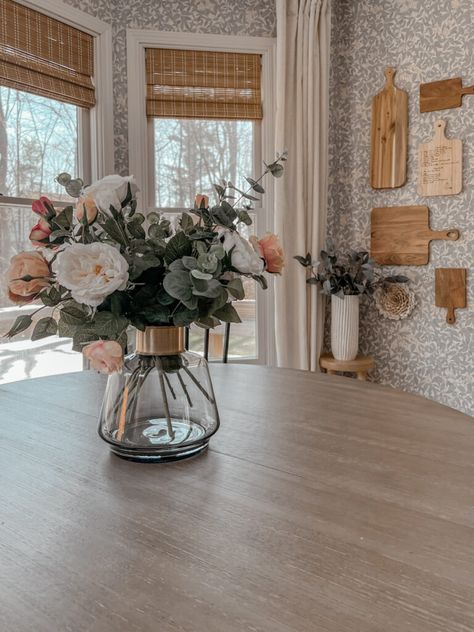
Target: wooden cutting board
(388,158)
(450,289)
(440,164)
(400,235)
(442,95)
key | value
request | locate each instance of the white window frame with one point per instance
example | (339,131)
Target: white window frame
(95,126)
(141,146)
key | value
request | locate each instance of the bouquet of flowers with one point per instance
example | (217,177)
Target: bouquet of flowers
(102,266)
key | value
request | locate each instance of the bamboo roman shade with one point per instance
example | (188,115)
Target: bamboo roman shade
(203,84)
(44,56)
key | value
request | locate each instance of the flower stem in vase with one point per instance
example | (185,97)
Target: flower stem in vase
(203,391)
(185,390)
(159,366)
(168,384)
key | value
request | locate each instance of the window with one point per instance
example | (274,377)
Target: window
(47,111)
(204,111)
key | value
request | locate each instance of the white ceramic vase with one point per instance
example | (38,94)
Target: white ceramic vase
(345,327)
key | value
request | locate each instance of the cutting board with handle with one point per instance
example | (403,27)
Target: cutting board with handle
(442,95)
(389,136)
(450,290)
(401,235)
(440,164)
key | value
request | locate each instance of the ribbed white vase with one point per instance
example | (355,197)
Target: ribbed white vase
(345,327)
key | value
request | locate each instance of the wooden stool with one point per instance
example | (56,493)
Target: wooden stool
(360,366)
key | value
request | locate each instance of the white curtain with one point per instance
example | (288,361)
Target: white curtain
(302,112)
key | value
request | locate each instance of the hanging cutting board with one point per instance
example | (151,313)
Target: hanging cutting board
(400,235)
(388,158)
(450,289)
(442,95)
(440,164)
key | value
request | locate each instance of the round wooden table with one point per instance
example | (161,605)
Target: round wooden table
(322,505)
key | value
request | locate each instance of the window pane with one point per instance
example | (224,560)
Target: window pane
(38,140)
(190,155)
(20,358)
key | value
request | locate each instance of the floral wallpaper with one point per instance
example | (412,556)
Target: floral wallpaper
(424,40)
(245,17)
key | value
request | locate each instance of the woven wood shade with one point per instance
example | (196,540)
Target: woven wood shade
(44,56)
(203,84)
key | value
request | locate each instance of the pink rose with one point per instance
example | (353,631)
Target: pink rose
(201,201)
(270,250)
(105,356)
(40,232)
(27,275)
(43,206)
(86,205)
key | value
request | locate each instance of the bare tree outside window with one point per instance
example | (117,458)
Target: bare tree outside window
(38,140)
(192,154)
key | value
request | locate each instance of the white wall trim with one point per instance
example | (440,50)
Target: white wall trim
(101,119)
(137,41)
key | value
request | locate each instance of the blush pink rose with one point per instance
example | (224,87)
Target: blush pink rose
(269,248)
(87,206)
(201,201)
(105,356)
(43,206)
(40,232)
(27,275)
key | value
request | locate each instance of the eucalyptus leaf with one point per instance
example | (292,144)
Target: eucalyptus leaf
(212,291)
(50,297)
(244,194)
(184,316)
(108,324)
(21,323)
(177,247)
(245,218)
(70,315)
(236,288)
(135,228)
(255,185)
(189,262)
(178,285)
(153,218)
(142,263)
(44,327)
(113,231)
(228,314)
(186,222)
(199,274)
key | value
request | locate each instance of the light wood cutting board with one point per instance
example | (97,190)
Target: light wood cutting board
(401,235)
(450,290)
(442,95)
(388,158)
(440,164)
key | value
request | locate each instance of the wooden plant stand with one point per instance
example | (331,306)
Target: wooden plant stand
(360,366)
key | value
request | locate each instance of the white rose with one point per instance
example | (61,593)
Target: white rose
(91,272)
(110,191)
(244,258)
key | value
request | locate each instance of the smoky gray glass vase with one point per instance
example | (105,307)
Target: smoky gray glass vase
(161,406)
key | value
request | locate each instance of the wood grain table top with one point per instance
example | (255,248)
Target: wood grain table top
(322,505)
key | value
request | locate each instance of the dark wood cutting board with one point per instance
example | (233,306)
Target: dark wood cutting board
(442,95)
(401,235)
(450,290)
(388,157)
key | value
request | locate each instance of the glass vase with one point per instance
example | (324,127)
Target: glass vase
(161,406)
